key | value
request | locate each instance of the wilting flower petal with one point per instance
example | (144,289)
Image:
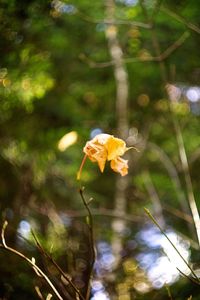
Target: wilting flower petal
(105,147)
(95,150)
(119,165)
(115,147)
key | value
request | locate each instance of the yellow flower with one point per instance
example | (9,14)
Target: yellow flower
(105,147)
(119,165)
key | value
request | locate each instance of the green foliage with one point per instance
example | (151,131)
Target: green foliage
(51,84)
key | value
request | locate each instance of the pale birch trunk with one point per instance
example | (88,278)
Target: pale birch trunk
(121,79)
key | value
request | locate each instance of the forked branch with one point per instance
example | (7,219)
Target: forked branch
(31,262)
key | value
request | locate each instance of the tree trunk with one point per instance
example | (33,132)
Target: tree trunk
(121,79)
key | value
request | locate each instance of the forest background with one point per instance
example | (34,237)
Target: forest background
(70,70)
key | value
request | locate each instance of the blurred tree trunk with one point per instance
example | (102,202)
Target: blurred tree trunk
(121,79)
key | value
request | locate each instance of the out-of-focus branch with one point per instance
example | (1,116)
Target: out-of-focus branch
(155,43)
(179,137)
(180,19)
(178,213)
(112,22)
(156,9)
(194,156)
(157,207)
(186,171)
(95,212)
(37,270)
(107,213)
(161,57)
(174,46)
(169,166)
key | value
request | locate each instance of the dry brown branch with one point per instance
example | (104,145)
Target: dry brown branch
(31,262)
(50,258)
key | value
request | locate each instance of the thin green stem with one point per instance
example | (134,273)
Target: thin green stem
(91,238)
(81,167)
(162,231)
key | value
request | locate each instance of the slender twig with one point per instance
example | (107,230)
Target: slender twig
(46,254)
(163,232)
(31,262)
(188,277)
(183,274)
(91,239)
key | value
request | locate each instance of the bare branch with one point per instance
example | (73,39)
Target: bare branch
(44,253)
(29,261)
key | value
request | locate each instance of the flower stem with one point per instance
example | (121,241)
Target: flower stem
(81,167)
